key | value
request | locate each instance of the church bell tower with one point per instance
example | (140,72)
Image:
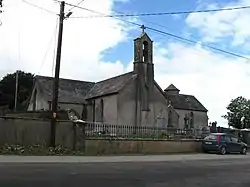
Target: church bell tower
(144,67)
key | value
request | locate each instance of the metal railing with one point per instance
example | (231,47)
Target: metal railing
(103,130)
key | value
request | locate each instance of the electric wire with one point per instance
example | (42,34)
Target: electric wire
(39,7)
(165,33)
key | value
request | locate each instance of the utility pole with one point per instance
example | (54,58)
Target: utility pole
(56,78)
(16,91)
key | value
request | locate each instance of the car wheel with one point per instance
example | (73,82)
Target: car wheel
(244,151)
(204,151)
(223,150)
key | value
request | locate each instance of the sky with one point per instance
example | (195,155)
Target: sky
(94,49)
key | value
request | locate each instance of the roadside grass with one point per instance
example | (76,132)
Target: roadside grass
(38,150)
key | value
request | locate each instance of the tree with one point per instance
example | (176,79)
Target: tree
(1,5)
(238,114)
(8,87)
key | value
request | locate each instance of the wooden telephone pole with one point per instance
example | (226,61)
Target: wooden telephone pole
(16,92)
(56,78)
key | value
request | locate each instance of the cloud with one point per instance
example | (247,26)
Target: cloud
(213,78)
(215,26)
(30,32)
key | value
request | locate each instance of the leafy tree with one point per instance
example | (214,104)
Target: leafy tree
(238,114)
(8,87)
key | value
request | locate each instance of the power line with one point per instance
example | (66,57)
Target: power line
(39,7)
(93,11)
(70,10)
(195,42)
(162,13)
(165,33)
(45,55)
(177,37)
(54,52)
(76,5)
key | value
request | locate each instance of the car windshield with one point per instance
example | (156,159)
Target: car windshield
(211,137)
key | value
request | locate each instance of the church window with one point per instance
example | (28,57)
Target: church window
(170,122)
(34,100)
(191,120)
(186,122)
(84,112)
(102,110)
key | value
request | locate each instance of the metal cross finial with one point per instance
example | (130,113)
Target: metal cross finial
(143,28)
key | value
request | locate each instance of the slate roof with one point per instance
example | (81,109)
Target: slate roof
(171,87)
(110,86)
(185,102)
(70,91)
(143,35)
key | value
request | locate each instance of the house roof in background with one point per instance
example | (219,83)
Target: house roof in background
(70,91)
(185,102)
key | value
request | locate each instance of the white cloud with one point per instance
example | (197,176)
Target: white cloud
(84,40)
(218,25)
(214,79)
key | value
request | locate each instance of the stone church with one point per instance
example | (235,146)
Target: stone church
(133,98)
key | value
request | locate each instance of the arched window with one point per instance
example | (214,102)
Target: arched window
(186,121)
(170,122)
(145,51)
(191,120)
(34,100)
(102,110)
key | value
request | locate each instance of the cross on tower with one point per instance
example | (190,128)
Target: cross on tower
(143,28)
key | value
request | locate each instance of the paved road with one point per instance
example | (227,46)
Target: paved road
(226,171)
(101,159)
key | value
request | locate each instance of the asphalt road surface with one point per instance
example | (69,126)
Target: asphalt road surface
(225,171)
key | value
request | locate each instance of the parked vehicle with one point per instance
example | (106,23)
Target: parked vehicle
(223,143)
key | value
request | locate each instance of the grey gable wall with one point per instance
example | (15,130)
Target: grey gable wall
(126,104)
(158,115)
(41,102)
(109,109)
(127,114)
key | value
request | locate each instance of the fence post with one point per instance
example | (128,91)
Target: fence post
(84,136)
(74,136)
